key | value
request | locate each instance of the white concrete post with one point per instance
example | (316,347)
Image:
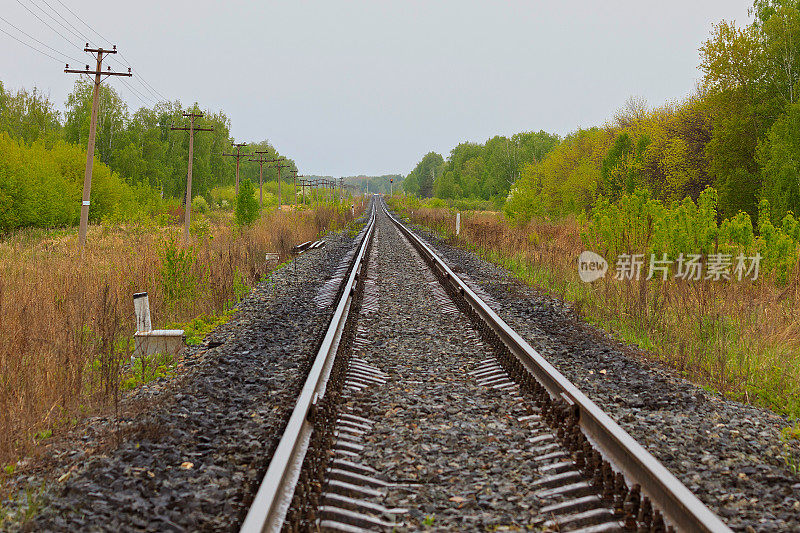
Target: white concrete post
(141,304)
(458,223)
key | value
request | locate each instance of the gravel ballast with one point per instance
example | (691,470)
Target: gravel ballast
(455,452)
(727,453)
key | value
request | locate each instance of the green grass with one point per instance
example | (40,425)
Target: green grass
(197,328)
(148,368)
(42,435)
(790,438)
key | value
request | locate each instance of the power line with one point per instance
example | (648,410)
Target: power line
(48,25)
(77,36)
(163,98)
(142,81)
(137,94)
(152,89)
(30,46)
(87,178)
(82,22)
(38,41)
(65,20)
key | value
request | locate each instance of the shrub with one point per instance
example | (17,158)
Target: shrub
(246,204)
(177,280)
(639,224)
(199,204)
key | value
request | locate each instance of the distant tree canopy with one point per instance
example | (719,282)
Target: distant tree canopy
(375,184)
(473,170)
(139,151)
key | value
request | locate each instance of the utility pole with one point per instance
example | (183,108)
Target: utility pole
(87,176)
(260,160)
(294,176)
(191,128)
(302,186)
(237,155)
(279,166)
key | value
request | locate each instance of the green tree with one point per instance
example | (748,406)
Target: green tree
(29,116)
(779,156)
(246,204)
(112,113)
(622,166)
(424,174)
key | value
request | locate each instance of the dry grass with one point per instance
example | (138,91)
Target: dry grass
(739,338)
(66,318)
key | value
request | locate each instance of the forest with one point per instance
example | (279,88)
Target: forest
(375,184)
(739,132)
(140,163)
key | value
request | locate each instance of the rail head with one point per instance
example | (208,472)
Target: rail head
(682,508)
(274,495)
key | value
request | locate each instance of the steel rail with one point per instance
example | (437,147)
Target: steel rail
(274,496)
(679,506)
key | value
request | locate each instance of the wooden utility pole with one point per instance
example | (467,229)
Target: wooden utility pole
(294,180)
(87,176)
(299,177)
(187,209)
(306,183)
(260,160)
(237,155)
(279,166)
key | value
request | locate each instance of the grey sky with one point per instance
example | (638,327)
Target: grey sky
(369,87)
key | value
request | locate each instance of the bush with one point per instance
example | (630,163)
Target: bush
(41,186)
(639,224)
(177,279)
(199,204)
(246,204)
(223,197)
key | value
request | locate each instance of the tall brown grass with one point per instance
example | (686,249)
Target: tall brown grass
(66,316)
(739,338)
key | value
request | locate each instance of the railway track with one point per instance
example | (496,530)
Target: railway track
(568,465)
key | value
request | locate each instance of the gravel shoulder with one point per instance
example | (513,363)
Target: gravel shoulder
(728,453)
(186,454)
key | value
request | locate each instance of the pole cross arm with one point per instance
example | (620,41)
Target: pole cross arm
(98,50)
(103,72)
(195,129)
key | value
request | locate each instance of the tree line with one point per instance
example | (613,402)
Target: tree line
(139,161)
(739,133)
(483,171)
(375,184)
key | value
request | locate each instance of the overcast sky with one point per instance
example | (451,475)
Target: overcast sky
(369,87)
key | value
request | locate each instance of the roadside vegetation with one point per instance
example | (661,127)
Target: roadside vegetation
(67,317)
